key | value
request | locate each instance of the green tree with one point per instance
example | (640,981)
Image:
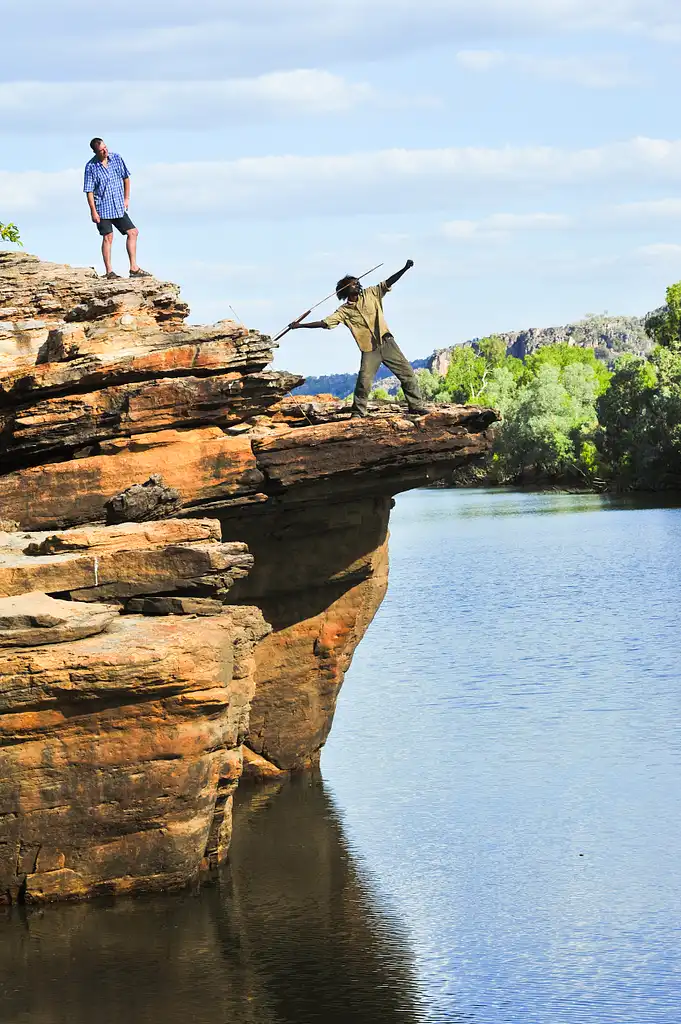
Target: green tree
(472,373)
(640,423)
(501,388)
(380,395)
(625,415)
(664,326)
(432,386)
(492,349)
(562,356)
(467,375)
(639,439)
(549,420)
(10,233)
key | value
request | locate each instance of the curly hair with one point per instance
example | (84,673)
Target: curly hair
(342,286)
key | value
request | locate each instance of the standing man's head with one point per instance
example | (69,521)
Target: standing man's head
(348,289)
(98,147)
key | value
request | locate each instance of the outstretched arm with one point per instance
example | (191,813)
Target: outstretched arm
(394,278)
(296,325)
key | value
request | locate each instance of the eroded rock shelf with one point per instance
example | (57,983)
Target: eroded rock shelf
(144,665)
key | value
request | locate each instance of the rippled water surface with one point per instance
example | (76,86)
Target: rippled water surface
(496,837)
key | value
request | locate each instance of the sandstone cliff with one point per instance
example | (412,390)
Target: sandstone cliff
(189,560)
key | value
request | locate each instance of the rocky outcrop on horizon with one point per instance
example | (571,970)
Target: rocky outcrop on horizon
(608,336)
(188,560)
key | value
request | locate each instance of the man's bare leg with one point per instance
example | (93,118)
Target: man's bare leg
(131,246)
(106,252)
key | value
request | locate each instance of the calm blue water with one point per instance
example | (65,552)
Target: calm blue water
(507,755)
(496,833)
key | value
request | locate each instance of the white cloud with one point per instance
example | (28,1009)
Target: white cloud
(382,181)
(200,38)
(593,72)
(647,210)
(667,251)
(37,106)
(605,218)
(500,227)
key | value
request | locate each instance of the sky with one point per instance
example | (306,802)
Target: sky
(526,154)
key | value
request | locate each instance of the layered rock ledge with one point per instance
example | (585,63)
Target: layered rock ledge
(189,558)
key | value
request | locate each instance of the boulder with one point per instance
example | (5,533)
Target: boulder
(150,500)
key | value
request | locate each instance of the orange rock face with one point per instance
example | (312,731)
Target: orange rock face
(202,465)
(119,754)
(319,600)
(75,421)
(300,668)
(142,662)
(176,355)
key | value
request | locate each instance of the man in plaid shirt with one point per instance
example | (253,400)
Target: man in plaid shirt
(107,185)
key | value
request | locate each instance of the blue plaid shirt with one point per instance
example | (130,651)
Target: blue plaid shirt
(106,184)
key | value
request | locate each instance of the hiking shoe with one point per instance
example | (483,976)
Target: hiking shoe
(112,277)
(140,273)
(420,410)
(355,415)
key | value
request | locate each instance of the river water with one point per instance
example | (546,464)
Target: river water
(495,835)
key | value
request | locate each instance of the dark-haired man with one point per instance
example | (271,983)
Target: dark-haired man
(107,186)
(362,312)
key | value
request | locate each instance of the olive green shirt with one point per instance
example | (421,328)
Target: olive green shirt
(364,317)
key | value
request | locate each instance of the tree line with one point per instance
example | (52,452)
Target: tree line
(570,419)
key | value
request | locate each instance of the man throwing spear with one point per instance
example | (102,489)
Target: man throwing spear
(362,312)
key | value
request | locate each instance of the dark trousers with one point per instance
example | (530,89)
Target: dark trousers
(390,354)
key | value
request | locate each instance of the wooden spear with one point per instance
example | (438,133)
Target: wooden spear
(321,302)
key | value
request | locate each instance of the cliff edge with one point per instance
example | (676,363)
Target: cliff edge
(188,560)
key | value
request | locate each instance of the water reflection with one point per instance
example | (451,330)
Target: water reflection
(289,933)
(472,503)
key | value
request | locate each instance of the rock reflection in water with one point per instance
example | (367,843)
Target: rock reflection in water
(288,933)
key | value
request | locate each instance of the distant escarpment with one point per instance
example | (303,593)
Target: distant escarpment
(188,560)
(608,336)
